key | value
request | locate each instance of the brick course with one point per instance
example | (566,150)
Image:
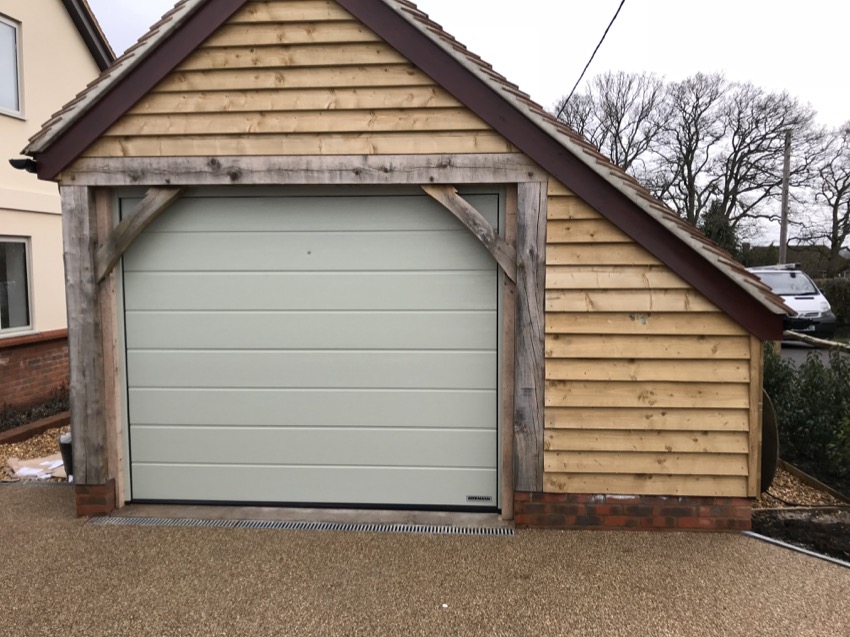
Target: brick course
(587,511)
(95,499)
(31,367)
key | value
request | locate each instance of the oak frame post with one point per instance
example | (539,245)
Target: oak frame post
(508,354)
(85,336)
(529,383)
(111,359)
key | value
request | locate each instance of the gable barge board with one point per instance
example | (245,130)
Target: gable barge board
(587,184)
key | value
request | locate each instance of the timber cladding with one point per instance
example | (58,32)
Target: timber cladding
(305,78)
(648,384)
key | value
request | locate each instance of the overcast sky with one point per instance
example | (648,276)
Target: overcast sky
(542,45)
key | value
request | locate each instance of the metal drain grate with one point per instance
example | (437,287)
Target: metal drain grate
(426,529)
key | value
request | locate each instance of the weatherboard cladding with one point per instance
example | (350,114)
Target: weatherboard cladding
(491,97)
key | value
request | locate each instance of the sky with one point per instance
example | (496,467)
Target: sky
(543,45)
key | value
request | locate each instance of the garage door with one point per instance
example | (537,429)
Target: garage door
(312,349)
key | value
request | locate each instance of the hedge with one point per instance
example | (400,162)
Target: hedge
(837,292)
(812,404)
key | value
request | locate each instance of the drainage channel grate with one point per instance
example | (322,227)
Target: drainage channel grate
(427,529)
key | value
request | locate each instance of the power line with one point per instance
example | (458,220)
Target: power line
(592,55)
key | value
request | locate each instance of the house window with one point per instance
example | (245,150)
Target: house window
(14,284)
(10,67)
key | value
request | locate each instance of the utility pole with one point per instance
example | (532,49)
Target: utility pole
(786,178)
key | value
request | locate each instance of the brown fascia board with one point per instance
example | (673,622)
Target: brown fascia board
(107,110)
(90,32)
(486,102)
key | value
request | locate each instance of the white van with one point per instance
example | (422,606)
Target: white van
(814,315)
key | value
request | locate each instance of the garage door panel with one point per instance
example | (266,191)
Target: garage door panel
(312,330)
(358,291)
(332,485)
(318,408)
(313,214)
(313,350)
(348,446)
(312,369)
(307,252)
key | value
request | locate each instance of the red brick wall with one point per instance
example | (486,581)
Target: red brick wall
(32,366)
(95,499)
(612,512)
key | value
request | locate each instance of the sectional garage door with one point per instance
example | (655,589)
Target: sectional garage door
(312,349)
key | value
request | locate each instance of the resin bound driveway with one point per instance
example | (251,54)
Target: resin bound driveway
(62,576)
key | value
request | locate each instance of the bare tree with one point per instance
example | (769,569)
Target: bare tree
(830,183)
(747,170)
(689,140)
(701,144)
(620,113)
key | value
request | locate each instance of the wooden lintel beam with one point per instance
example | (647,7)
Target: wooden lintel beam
(504,253)
(304,170)
(156,201)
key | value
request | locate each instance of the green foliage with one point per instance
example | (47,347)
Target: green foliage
(718,227)
(837,292)
(812,405)
(839,449)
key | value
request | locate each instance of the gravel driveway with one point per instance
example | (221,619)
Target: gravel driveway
(65,577)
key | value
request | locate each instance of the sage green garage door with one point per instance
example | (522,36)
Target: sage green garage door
(321,349)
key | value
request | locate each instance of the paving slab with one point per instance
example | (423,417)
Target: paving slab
(63,576)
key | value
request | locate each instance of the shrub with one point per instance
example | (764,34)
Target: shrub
(837,292)
(57,403)
(812,405)
(839,450)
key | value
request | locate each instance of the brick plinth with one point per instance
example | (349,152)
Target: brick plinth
(638,512)
(95,499)
(31,367)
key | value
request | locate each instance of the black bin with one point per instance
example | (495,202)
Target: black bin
(67,458)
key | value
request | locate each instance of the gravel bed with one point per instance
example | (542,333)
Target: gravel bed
(790,489)
(45,444)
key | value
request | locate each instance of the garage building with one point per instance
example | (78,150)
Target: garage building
(318,253)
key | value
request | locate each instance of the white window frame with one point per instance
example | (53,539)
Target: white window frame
(19,60)
(27,243)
